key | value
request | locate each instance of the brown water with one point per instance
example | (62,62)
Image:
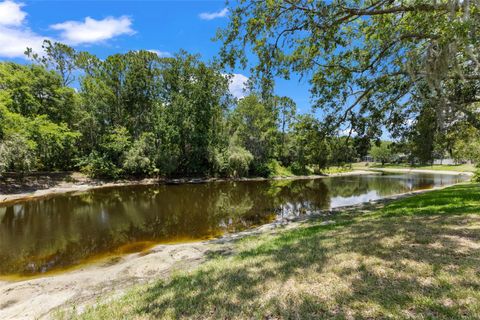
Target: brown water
(37,236)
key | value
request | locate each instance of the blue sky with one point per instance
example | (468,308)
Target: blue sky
(108,27)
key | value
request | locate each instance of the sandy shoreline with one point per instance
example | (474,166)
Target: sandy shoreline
(86,184)
(40,297)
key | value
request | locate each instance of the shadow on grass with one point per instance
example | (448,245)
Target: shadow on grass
(403,266)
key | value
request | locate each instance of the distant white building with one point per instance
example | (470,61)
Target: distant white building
(449,161)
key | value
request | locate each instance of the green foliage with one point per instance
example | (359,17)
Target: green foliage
(32,90)
(466,145)
(139,159)
(99,166)
(476,177)
(371,64)
(277,170)
(35,143)
(116,143)
(253,126)
(309,145)
(17,153)
(239,160)
(138,114)
(299,168)
(382,152)
(55,143)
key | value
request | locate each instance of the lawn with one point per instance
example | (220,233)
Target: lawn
(418,257)
(457,168)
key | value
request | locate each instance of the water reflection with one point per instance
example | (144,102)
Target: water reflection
(41,235)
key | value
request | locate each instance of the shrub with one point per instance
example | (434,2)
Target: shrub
(99,166)
(138,159)
(476,177)
(17,153)
(220,162)
(298,169)
(277,170)
(239,161)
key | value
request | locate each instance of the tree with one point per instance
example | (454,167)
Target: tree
(382,152)
(193,103)
(239,161)
(140,158)
(253,125)
(286,109)
(310,147)
(365,60)
(35,143)
(123,90)
(466,145)
(424,135)
(58,57)
(32,90)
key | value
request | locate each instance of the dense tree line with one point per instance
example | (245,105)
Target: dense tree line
(139,114)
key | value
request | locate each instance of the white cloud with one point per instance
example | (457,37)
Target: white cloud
(91,30)
(238,85)
(11,13)
(163,54)
(14,42)
(15,37)
(213,15)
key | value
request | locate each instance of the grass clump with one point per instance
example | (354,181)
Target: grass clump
(337,169)
(415,258)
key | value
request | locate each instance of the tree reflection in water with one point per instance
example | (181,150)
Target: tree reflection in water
(41,235)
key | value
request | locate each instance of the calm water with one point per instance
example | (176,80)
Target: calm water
(42,235)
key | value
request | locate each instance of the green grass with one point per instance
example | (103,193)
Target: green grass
(457,168)
(337,169)
(418,257)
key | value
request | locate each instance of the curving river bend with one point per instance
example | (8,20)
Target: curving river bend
(61,231)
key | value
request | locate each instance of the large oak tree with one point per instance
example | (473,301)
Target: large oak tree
(370,63)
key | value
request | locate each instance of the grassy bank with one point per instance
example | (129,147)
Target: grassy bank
(456,167)
(415,258)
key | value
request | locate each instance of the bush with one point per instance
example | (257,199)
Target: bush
(239,161)
(220,162)
(277,170)
(17,153)
(476,177)
(99,166)
(138,159)
(299,169)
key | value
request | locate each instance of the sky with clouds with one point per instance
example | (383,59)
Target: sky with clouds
(107,27)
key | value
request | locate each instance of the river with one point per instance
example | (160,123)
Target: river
(61,231)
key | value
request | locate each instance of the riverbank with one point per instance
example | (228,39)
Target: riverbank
(20,188)
(429,168)
(83,286)
(408,170)
(416,257)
